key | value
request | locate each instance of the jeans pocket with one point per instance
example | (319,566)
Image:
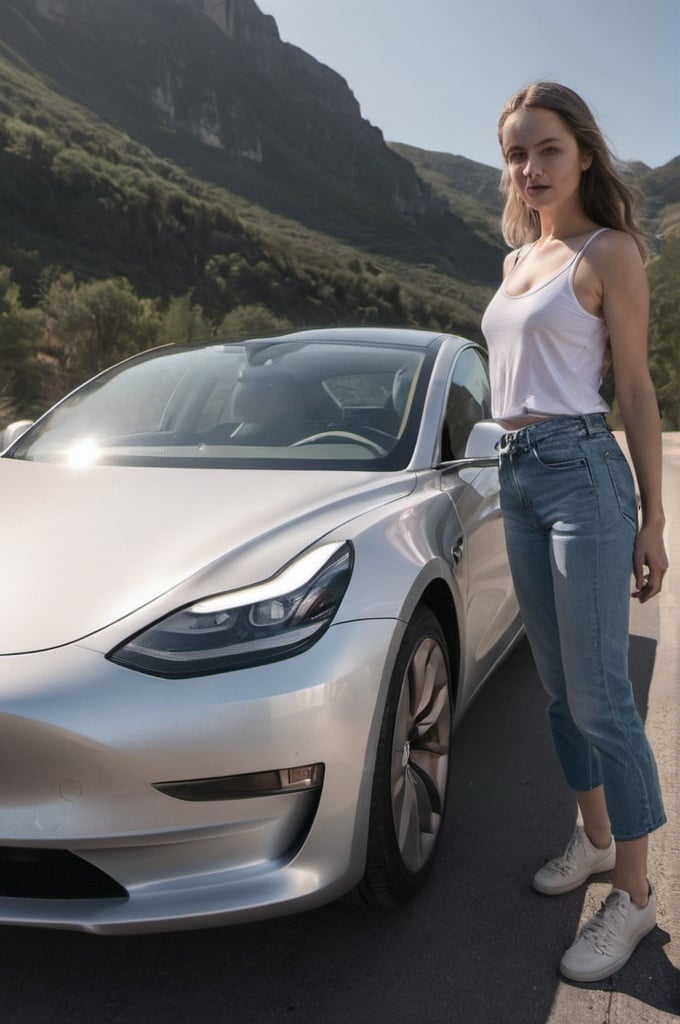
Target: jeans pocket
(622,484)
(557,456)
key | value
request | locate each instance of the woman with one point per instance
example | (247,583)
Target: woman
(574,295)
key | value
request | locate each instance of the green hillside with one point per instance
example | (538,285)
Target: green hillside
(469,188)
(77,194)
(79,197)
(212,88)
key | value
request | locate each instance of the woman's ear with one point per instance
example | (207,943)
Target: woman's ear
(586,161)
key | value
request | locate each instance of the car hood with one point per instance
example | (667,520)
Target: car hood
(82,548)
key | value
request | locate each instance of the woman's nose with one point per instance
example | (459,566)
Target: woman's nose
(531,167)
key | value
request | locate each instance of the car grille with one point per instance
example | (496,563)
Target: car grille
(32,873)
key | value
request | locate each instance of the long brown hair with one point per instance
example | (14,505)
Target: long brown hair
(605,198)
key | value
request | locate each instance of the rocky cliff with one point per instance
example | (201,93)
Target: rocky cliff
(210,84)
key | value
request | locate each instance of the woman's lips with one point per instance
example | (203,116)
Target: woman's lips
(534,190)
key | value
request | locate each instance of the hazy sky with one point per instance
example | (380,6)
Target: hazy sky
(435,73)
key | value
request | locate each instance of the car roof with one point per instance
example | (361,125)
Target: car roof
(393,336)
(387,337)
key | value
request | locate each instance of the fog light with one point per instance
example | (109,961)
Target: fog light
(300,777)
(241,787)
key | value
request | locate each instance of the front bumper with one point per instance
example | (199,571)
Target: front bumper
(83,740)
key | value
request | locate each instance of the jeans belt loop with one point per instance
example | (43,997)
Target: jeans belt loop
(504,441)
(593,422)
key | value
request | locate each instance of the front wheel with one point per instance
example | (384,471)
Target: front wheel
(412,767)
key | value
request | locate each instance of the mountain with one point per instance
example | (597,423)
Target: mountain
(470,189)
(661,189)
(79,195)
(181,144)
(210,85)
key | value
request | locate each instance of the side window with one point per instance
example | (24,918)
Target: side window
(468,401)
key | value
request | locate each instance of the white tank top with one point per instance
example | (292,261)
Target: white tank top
(546,352)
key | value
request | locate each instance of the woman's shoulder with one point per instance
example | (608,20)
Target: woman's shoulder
(610,252)
(610,242)
(614,266)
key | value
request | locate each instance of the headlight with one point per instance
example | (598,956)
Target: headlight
(271,620)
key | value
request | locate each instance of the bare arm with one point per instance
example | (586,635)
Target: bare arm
(625,304)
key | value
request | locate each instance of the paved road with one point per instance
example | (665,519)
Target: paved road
(477,947)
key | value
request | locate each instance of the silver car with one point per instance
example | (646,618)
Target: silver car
(247,591)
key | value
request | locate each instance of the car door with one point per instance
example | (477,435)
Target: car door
(479,554)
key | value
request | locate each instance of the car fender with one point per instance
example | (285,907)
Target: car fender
(408,545)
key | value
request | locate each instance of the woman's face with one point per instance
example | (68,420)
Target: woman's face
(543,159)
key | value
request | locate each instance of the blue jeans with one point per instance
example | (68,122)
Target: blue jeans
(570,520)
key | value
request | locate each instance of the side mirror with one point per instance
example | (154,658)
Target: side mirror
(480,449)
(13,431)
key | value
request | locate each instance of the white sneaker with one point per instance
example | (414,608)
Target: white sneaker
(580,860)
(609,939)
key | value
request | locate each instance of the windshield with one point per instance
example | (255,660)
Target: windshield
(255,404)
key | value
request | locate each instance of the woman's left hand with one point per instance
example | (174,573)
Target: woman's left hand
(650,562)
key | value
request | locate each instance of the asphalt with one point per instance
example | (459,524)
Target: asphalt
(478,946)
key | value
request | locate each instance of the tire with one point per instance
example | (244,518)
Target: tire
(411,771)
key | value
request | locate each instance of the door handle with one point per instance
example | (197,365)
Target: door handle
(457,551)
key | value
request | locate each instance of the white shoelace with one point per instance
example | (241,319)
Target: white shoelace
(563,864)
(605,927)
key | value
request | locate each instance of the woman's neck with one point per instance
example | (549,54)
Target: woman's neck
(566,226)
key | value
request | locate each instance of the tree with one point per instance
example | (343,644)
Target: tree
(23,376)
(254,320)
(93,325)
(183,321)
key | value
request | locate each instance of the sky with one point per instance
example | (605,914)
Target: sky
(436,73)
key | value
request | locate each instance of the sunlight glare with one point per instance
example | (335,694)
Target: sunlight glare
(84,453)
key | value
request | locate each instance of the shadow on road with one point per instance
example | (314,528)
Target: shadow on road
(478,945)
